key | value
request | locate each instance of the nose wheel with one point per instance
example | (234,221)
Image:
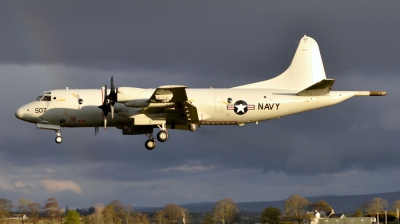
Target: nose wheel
(58,139)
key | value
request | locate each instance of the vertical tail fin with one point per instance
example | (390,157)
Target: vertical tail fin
(305,70)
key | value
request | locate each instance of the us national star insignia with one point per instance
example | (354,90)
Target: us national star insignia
(240,107)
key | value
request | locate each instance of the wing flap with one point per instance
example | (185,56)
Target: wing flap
(191,113)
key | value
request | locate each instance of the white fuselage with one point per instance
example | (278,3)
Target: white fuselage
(212,105)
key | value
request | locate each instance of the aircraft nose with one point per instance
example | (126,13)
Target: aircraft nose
(20,113)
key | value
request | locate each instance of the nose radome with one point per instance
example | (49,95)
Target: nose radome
(20,112)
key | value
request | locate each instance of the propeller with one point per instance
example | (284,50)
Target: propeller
(105,107)
(112,97)
(109,102)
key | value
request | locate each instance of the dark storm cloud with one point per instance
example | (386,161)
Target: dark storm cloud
(50,45)
(206,37)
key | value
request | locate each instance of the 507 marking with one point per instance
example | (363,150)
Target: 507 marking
(40,110)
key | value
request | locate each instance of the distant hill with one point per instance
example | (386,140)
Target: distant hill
(341,204)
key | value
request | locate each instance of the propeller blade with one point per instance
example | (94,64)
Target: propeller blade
(105,109)
(105,92)
(105,122)
(96,131)
(112,85)
(112,111)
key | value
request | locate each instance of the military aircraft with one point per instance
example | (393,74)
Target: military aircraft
(302,87)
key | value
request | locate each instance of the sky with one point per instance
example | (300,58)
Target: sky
(349,148)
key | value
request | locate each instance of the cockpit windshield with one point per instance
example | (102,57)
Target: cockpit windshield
(39,98)
(45,97)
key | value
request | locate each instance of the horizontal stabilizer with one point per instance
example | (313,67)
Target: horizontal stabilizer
(318,89)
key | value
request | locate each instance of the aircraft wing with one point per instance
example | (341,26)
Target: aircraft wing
(175,97)
(166,94)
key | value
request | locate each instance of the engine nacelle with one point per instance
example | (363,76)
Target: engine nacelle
(125,94)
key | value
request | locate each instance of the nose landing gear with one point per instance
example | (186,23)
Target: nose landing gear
(58,139)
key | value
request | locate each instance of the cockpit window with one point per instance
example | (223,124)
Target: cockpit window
(45,97)
(38,98)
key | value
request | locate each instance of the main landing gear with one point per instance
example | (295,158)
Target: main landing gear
(162,136)
(150,144)
(58,139)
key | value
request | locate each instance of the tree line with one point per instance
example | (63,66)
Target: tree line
(226,211)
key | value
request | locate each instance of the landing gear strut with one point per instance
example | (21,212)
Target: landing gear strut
(58,139)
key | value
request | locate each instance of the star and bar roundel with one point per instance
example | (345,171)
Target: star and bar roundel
(240,107)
